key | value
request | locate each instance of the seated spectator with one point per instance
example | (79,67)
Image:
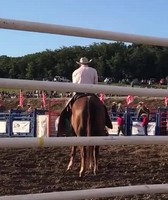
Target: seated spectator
(19,108)
(2,107)
(29,108)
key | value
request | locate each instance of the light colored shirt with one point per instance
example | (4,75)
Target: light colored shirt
(85,75)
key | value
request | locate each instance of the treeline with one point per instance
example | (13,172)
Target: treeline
(116,60)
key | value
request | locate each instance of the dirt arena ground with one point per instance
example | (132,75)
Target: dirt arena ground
(24,171)
(38,170)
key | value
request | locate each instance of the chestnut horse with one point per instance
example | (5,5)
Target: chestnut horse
(87,119)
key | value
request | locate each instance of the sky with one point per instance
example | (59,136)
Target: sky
(140,17)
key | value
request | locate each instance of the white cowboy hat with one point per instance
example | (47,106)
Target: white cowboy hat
(141,102)
(84,60)
(143,114)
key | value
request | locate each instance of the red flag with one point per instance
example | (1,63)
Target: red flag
(44,99)
(21,99)
(166,101)
(130,99)
(102,97)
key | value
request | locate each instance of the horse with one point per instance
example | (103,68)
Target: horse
(87,119)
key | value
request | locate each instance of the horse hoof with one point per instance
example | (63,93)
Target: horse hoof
(68,169)
(81,175)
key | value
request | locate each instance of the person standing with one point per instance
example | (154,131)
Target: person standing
(145,121)
(114,109)
(120,123)
(120,108)
(141,108)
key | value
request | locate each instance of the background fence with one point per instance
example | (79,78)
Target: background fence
(44,123)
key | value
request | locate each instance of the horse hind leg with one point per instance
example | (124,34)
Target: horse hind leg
(95,159)
(73,153)
(86,153)
(91,161)
(83,160)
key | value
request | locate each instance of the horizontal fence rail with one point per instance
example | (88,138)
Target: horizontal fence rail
(78,141)
(80,32)
(93,193)
(72,87)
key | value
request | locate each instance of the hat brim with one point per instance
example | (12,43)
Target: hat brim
(80,63)
(144,114)
(141,102)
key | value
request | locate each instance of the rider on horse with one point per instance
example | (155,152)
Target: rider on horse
(83,75)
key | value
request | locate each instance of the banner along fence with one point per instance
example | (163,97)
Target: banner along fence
(45,123)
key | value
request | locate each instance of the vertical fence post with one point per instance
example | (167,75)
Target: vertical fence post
(34,123)
(127,122)
(158,119)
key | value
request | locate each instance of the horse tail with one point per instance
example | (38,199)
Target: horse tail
(88,131)
(89,153)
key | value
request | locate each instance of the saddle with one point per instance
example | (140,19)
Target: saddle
(78,96)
